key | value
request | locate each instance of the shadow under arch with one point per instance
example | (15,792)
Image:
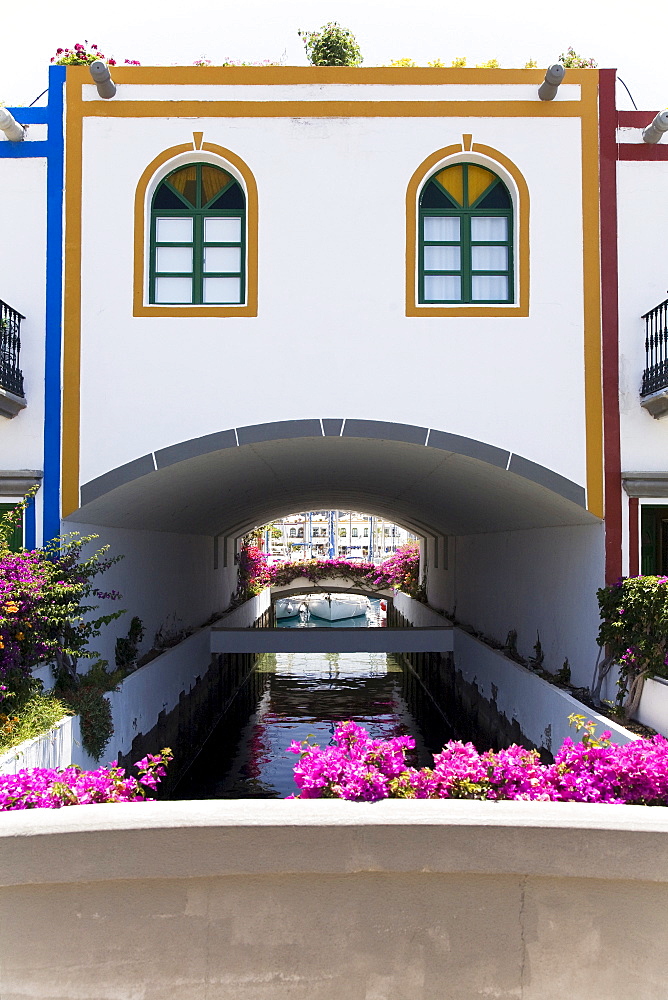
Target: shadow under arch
(424,478)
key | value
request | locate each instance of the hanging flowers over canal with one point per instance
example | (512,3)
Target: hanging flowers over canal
(400,572)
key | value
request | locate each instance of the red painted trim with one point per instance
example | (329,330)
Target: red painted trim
(610,325)
(642,151)
(635,119)
(634,537)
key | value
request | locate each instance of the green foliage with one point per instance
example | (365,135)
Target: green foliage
(563,675)
(634,629)
(405,63)
(332,45)
(571,60)
(88,702)
(459,62)
(490,64)
(29,714)
(127,647)
(531,64)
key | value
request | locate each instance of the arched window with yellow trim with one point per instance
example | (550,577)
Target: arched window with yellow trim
(198,238)
(465,243)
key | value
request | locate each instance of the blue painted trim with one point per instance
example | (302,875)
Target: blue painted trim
(30,116)
(24,150)
(54,302)
(30,529)
(53,149)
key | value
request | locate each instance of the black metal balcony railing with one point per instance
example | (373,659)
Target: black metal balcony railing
(655,376)
(11,377)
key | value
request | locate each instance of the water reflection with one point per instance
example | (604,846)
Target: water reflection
(294,696)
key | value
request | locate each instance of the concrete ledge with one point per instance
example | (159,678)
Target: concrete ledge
(10,403)
(156,840)
(656,403)
(332,640)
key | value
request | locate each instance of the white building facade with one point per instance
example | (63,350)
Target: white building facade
(231,237)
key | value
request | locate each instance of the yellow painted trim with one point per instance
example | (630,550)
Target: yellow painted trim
(333,109)
(467,139)
(522,242)
(290,75)
(197,139)
(591,279)
(72,300)
(139,308)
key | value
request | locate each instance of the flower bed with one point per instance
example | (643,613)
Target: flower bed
(48,788)
(361,769)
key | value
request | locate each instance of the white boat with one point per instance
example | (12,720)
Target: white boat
(335,607)
(288,607)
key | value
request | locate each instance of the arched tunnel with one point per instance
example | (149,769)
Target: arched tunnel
(508,544)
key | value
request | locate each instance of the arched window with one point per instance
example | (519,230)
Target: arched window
(198,238)
(465,252)
(293,532)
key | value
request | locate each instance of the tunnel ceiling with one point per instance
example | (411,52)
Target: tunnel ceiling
(428,480)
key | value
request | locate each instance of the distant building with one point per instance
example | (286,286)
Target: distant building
(325,533)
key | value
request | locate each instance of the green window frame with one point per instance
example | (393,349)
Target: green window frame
(465,253)
(15,540)
(654,540)
(198,238)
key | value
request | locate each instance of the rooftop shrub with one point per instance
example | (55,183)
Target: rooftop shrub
(331,45)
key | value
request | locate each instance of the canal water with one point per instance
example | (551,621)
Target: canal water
(298,696)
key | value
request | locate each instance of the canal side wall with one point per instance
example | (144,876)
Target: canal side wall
(58,748)
(171,581)
(539,583)
(285,900)
(487,695)
(176,699)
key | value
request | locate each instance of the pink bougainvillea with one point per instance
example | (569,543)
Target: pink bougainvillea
(361,769)
(47,788)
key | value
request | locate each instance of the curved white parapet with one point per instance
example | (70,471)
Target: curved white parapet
(327,899)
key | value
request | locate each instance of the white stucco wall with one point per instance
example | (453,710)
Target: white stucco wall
(22,286)
(58,748)
(540,581)
(167,580)
(643,280)
(331,288)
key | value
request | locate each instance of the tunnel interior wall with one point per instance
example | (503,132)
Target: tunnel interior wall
(540,582)
(173,582)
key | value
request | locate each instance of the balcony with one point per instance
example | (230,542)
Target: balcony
(12,398)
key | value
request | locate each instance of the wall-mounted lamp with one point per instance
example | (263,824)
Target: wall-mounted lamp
(10,126)
(550,85)
(102,78)
(654,131)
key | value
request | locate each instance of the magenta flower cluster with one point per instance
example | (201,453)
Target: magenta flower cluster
(361,769)
(47,788)
(399,572)
(24,625)
(82,55)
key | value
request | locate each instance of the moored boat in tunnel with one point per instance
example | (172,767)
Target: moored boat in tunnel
(336,607)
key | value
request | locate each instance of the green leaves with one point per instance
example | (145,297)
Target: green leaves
(634,628)
(332,45)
